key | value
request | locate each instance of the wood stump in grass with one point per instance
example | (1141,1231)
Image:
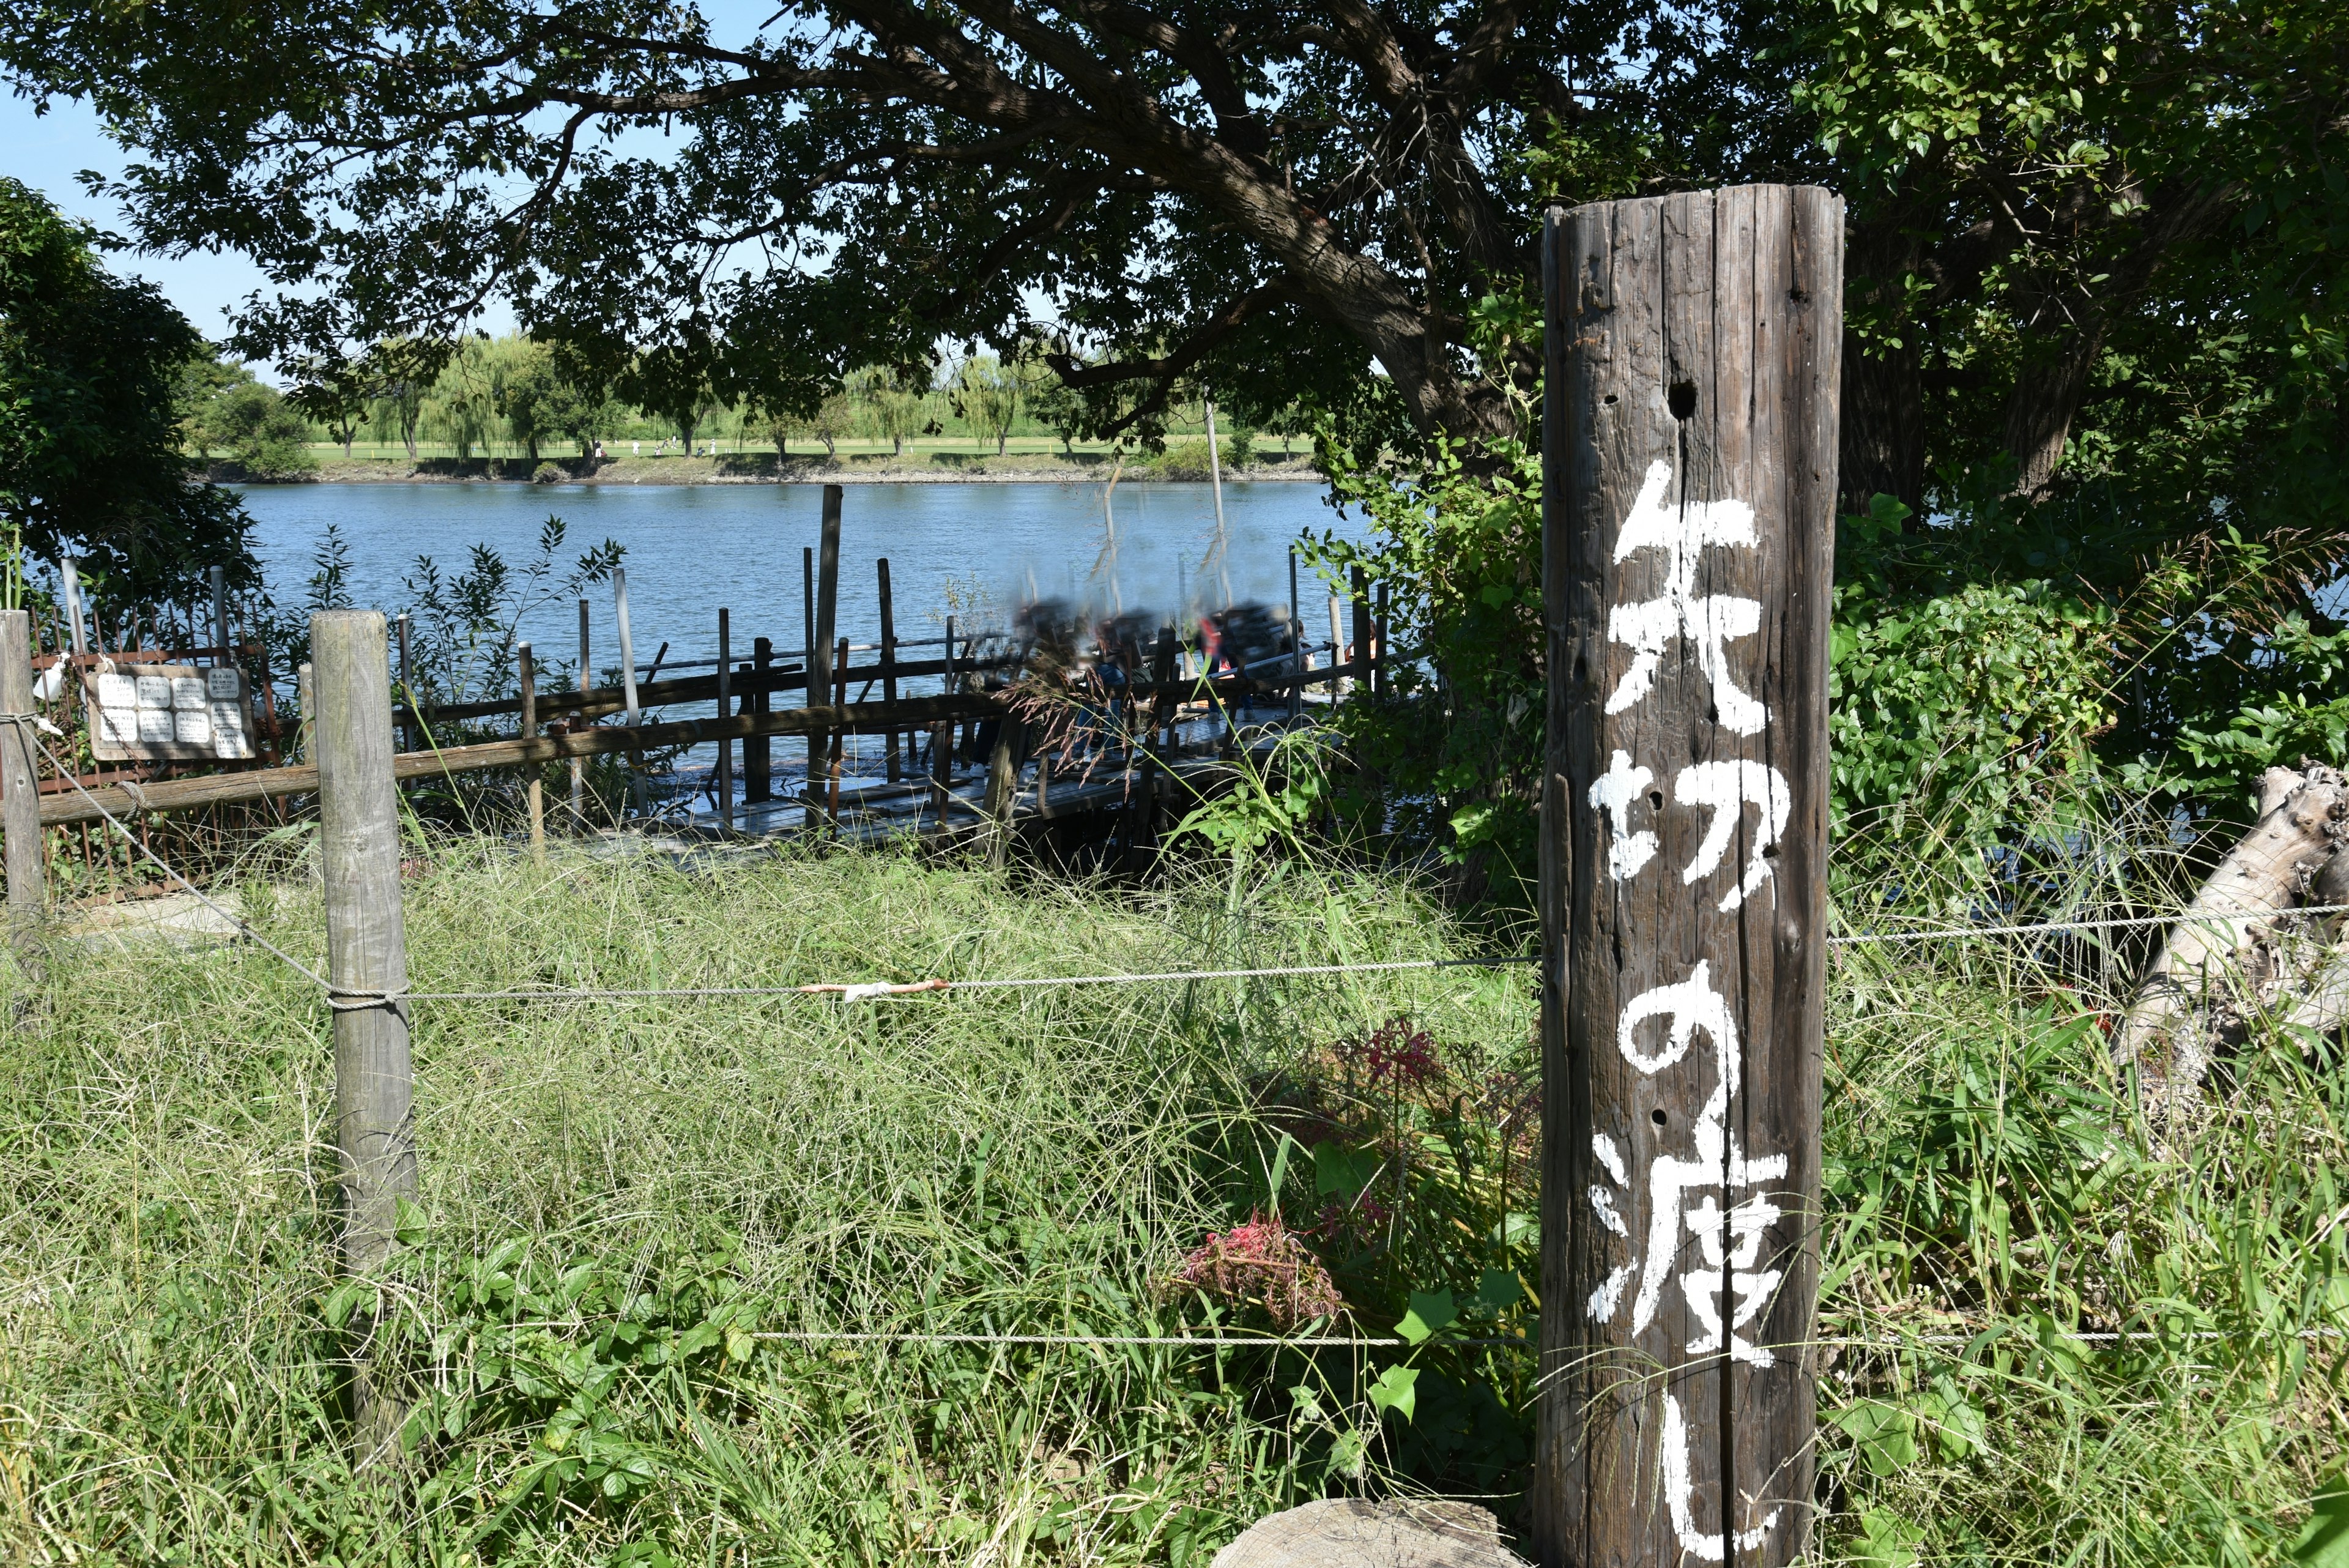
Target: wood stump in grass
(2252,946)
(1350,1532)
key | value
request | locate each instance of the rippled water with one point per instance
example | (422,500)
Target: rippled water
(693,548)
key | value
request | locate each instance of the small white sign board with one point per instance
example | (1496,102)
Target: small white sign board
(169,712)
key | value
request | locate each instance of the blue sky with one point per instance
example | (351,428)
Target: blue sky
(49,151)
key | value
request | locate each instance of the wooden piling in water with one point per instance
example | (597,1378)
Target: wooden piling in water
(1691,355)
(526,672)
(758,751)
(367,963)
(725,776)
(579,765)
(820,649)
(889,669)
(839,739)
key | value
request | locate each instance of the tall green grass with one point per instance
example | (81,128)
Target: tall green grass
(615,1196)
(624,1201)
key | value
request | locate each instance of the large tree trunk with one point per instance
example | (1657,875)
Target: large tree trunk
(2245,949)
(1883,433)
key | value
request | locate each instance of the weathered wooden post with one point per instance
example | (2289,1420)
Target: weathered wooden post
(218,576)
(758,751)
(526,675)
(889,676)
(20,792)
(819,646)
(1379,672)
(579,765)
(1296,645)
(634,711)
(725,780)
(366,961)
(1359,584)
(839,738)
(69,578)
(400,628)
(1689,460)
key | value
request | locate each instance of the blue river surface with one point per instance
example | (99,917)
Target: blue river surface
(971,549)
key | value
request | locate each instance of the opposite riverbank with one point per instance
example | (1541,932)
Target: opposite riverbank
(765,468)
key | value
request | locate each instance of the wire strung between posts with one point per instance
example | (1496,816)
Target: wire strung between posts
(1390,1341)
(344,999)
(2049,927)
(866,993)
(296,965)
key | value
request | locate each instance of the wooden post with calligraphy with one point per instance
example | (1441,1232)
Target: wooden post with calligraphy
(1688,459)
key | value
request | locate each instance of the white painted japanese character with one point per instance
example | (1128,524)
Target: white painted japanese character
(1674,1443)
(1613,793)
(1727,788)
(1710,622)
(1681,1191)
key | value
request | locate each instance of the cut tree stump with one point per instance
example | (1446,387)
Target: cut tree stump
(1351,1532)
(2244,951)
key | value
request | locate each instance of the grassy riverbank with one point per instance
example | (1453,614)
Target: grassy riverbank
(621,1200)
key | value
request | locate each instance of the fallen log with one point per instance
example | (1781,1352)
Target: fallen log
(2241,951)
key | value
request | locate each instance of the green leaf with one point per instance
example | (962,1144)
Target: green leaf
(739,1346)
(1887,1436)
(1348,1454)
(339,1302)
(1338,1170)
(410,1223)
(1428,1314)
(2325,1541)
(1396,1390)
(1885,1541)
(1498,1290)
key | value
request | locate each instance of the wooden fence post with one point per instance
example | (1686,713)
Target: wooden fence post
(20,793)
(819,646)
(839,739)
(889,673)
(400,628)
(636,714)
(367,962)
(526,674)
(218,576)
(725,779)
(1688,458)
(1358,585)
(579,765)
(758,751)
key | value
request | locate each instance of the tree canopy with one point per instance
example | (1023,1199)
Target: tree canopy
(90,371)
(1197,187)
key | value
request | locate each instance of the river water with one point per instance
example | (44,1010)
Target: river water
(971,549)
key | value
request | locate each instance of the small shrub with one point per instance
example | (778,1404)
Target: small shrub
(547,473)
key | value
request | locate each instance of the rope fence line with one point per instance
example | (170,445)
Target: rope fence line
(1390,1341)
(341,999)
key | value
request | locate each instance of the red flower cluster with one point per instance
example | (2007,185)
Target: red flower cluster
(1263,1262)
(1396,1048)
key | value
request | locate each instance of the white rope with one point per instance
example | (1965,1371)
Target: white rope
(865,993)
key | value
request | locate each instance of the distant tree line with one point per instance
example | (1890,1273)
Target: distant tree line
(518,396)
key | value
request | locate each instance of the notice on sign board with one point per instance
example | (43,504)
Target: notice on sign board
(169,712)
